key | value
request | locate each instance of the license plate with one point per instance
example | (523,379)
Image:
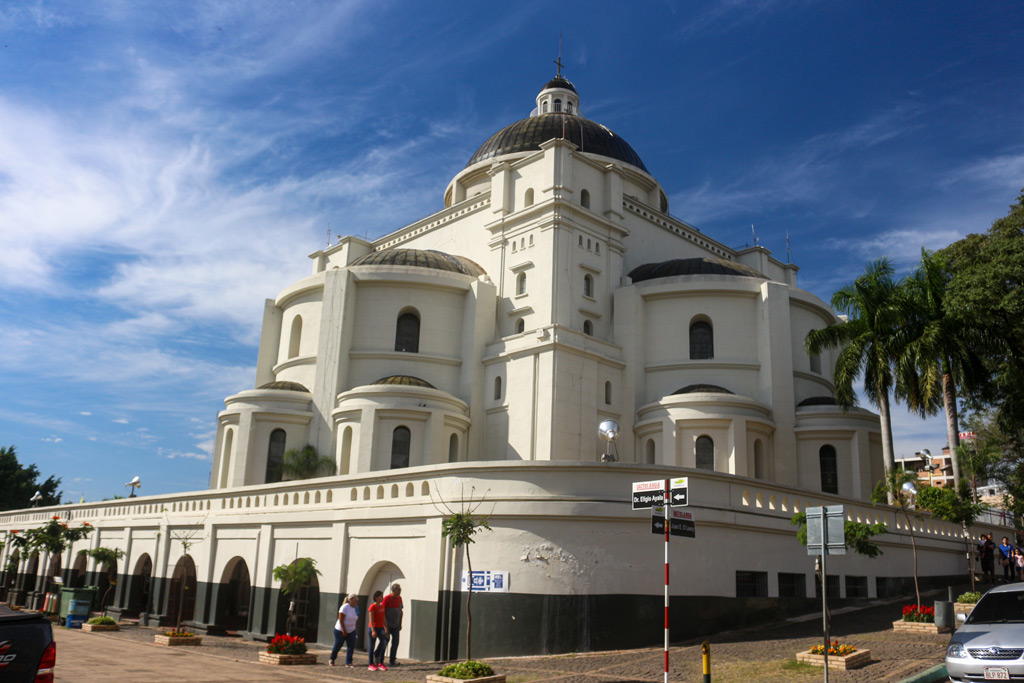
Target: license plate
(997,673)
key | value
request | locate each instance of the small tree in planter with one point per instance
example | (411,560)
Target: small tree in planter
(105,557)
(459,528)
(292,577)
(894,487)
(186,538)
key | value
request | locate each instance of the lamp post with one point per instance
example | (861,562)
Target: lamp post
(609,431)
(36,499)
(134,484)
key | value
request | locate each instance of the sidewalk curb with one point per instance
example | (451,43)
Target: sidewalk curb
(932,675)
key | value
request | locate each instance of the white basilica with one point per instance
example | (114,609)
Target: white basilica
(472,355)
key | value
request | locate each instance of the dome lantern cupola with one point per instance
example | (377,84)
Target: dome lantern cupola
(558,96)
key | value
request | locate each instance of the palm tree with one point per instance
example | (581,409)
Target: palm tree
(869,338)
(306,463)
(938,359)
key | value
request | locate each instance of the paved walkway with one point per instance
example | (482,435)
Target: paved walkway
(761,654)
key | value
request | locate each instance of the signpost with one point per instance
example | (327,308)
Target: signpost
(826,535)
(660,495)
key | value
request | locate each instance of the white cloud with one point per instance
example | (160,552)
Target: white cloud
(85,412)
(120,421)
(193,456)
(53,439)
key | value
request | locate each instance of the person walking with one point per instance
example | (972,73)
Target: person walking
(1005,552)
(345,629)
(378,630)
(393,610)
(988,548)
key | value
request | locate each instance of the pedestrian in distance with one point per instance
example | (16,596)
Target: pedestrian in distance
(1018,557)
(393,617)
(1005,551)
(345,629)
(988,548)
(378,630)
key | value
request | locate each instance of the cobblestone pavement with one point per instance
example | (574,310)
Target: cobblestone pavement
(757,654)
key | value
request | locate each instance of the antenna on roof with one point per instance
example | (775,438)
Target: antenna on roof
(787,246)
(559,60)
(328,233)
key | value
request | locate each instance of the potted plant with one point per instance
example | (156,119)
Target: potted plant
(101,624)
(840,656)
(294,576)
(469,670)
(177,639)
(918,618)
(285,650)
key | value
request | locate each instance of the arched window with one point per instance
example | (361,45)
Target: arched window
(531,240)
(597,247)
(515,246)
(702,342)
(568,107)
(581,240)
(759,463)
(649,452)
(520,326)
(607,393)
(401,439)
(544,107)
(296,337)
(453,449)
(521,284)
(705,448)
(346,451)
(407,333)
(528,197)
(588,285)
(497,388)
(588,328)
(585,199)
(829,469)
(558,105)
(225,457)
(275,455)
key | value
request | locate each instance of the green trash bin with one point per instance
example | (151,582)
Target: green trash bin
(86,596)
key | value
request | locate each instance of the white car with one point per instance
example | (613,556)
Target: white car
(989,645)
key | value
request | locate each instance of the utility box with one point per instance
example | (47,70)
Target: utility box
(85,596)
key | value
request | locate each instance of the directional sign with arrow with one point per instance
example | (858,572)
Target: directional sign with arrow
(681,522)
(678,492)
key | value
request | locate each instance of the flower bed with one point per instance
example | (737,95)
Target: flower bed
(285,650)
(278,659)
(177,639)
(919,614)
(844,657)
(467,672)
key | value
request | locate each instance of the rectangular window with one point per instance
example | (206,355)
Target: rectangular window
(856,586)
(751,584)
(792,585)
(833,587)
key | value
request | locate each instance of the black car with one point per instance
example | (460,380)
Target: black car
(27,651)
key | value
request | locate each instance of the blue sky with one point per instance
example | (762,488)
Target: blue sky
(165,167)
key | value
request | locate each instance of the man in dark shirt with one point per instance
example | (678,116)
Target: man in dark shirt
(988,549)
(393,611)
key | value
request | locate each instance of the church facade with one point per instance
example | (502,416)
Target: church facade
(465,361)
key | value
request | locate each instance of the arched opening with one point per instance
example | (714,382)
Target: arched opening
(521,283)
(649,453)
(760,466)
(346,451)
(528,197)
(181,595)
(588,285)
(497,388)
(829,465)
(607,393)
(558,106)
(10,573)
(225,456)
(139,590)
(380,578)
(233,596)
(28,579)
(275,455)
(401,442)
(568,107)
(520,326)
(77,578)
(453,449)
(588,328)
(581,240)
(544,107)
(302,619)
(585,199)
(702,342)
(295,340)
(705,453)
(106,579)
(407,332)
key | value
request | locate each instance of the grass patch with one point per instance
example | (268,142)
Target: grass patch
(781,670)
(799,667)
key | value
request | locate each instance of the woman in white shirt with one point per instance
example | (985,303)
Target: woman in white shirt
(345,629)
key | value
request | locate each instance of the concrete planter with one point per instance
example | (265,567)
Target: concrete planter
(287,660)
(100,627)
(486,679)
(919,627)
(177,641)
(854,660)
(963,607)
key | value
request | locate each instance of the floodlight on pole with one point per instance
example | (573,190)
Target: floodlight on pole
(36,499)
(134,484)
(609,431)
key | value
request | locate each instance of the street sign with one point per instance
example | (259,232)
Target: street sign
(681,522)
(647,494)
(678,494)
(826,530)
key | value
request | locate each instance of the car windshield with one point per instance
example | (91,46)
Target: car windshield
(998,608)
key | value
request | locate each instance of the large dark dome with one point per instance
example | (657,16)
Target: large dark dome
(421,258)
(706,265)
(528,134)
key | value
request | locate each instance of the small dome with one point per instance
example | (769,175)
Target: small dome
(691,266)
(285,386)
(702,389)
(405,381)
(817,401)
(559,82)
(420,258)
(528,134)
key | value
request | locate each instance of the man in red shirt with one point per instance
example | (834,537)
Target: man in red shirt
(393,615)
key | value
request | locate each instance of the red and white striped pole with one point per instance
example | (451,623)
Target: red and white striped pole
(668,523)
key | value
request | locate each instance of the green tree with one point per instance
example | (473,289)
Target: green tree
(459,528)
(306,463)
(294,576)
(19,483)
(107,559)
(893,488)
(869,338)
(856,534)
(956,507)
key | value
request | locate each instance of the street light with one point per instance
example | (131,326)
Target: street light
(910,491)
(609,431)
(36,499)
(134,484)
(929,466)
